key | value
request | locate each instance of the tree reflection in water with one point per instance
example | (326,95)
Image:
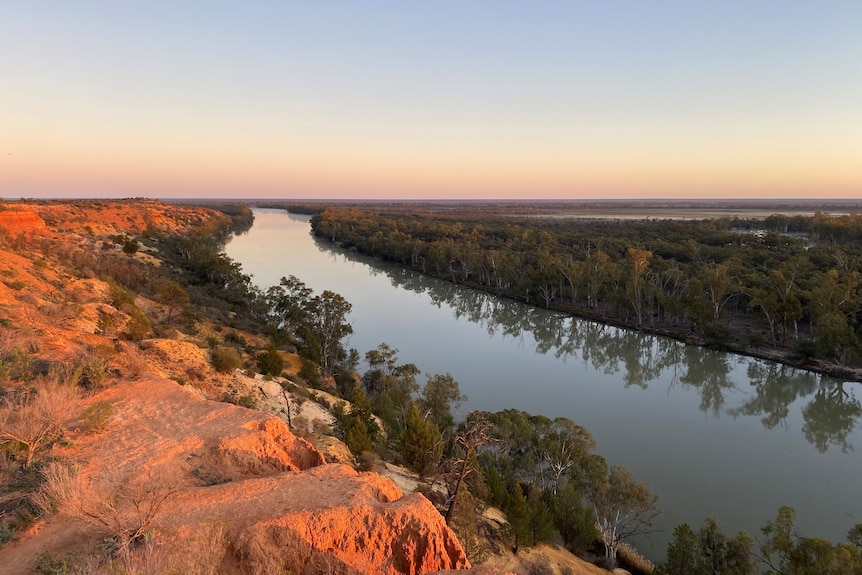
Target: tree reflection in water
(709,372)
(776,386)
(830,417)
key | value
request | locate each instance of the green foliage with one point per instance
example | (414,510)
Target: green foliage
(270,362)
(785,552)
(235,338)
(95,372)
(47,564)
(310,373)
(496,487)
(131,246)
(624,507)
(518,516)
(420,444)
(137,327)
(539,448)
(541,523)
(7,532)
(225,359)
(574,521)
(65,373)
(21,365)
(97,415)
(439,395)
(319,321)
(5,372)
(855,536)
(357,428)
(390,386)
(466,527)
(358,437)
(106,325)
(172,295)
(683,554)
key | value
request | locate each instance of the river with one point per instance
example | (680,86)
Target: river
(711,433)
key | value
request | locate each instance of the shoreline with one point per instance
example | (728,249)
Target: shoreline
(777,354)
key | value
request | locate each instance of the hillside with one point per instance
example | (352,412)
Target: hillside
(122,449)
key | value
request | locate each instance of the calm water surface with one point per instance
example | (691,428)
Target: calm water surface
(712,433)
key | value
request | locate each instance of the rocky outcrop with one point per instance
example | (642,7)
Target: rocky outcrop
(280,502)
(17,222)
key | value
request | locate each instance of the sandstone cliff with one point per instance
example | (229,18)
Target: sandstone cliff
(279,503)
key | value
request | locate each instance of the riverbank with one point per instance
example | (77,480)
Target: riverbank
(779,354)
(768,288)
(782,354)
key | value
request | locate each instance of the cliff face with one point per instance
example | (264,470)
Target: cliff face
(211,466)
(18,221)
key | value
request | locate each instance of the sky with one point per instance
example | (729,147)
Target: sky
(468,99)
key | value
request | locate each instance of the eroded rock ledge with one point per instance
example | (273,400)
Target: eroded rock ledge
(273,492)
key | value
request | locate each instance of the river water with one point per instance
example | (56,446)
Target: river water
(712,433)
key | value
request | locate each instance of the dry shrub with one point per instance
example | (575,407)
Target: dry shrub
(200,555)
(57,488)
(203,553)
(274,550)
(151,557)
(633,560)
(55,314)
(8,467)
(301,426)
(35,421)
(124,506)
(65,373)
(10,340)
(131,363)
(74,563)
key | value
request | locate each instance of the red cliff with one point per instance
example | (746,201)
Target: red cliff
(17,222)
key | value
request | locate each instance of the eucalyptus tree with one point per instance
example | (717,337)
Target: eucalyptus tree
(623,507)
(320,321)
(390,386)
(439,395)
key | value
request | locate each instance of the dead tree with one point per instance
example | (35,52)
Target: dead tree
(475,433)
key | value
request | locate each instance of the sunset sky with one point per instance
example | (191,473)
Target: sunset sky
(443,99)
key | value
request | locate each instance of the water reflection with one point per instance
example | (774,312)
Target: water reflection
(831,417)
(709,373)
(830,414)
(776,387)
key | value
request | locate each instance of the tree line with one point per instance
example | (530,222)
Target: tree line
(791,284)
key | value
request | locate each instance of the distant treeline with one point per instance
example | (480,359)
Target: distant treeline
(785,286)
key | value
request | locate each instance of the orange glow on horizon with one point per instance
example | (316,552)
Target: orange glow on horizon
(187,164)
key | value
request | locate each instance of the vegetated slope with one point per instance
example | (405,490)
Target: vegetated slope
(142,466)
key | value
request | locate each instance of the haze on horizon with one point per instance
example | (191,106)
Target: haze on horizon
(467,100)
